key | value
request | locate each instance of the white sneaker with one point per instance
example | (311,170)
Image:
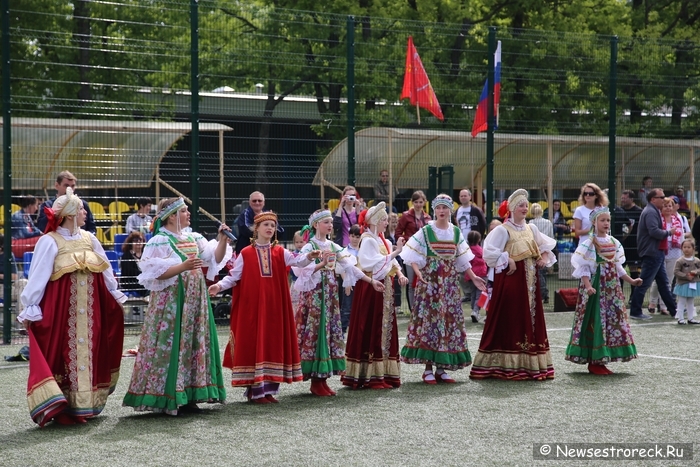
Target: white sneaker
(681,321)
(475,317)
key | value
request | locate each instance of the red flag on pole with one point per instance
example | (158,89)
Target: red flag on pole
(416,85)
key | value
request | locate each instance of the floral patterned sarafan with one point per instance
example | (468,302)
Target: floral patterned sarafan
(436,333)
(601,333)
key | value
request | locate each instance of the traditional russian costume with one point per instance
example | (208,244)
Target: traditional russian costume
(601,332)
(318,323)
(178,361)
(372,352)
(514,344)
(77,329)
(436,333)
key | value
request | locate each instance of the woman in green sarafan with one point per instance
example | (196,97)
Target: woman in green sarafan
(601,333)
(178,362)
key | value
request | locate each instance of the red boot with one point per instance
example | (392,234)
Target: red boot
(327,388)
(317,388)
(597,369)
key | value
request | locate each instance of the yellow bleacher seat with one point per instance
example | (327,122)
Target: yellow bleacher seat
(98,211)
(572,207)
(333,205)
(117,210)
(15,208)
(544,204)
(565,210)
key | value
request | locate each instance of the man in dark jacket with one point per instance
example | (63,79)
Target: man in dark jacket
(64,180)
(652,243)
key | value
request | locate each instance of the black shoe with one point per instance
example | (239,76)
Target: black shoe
(642,316)
(189,408)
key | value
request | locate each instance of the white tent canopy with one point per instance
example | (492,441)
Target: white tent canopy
(521,161)
(101,153)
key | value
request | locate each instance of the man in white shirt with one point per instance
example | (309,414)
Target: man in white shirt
(468,217)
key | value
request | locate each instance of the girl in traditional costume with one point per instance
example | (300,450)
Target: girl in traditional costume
(75,322)
(178,363)
(318,322)
(601,333)
(514,343)
(436,336)
(262,351)
(372,353)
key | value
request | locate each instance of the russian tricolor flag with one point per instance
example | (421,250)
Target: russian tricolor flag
(480,120)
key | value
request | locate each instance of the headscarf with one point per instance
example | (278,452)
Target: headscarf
(309,231)
(376,214)
(64,206)
(165,212)
(443,200)
(597,211)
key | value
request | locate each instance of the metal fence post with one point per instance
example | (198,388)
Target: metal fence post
(194,104)
(7,170)
(351,98)
(491,120)
(612,126)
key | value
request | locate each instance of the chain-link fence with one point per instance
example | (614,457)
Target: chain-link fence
(297,104)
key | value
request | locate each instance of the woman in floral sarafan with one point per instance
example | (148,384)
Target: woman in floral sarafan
(318,324)
(601,333)
(438,254)
(178,362)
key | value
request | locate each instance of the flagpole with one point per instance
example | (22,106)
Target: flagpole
(418,112)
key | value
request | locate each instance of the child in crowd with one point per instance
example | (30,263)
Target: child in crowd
(318,323)
(480,270)
(262,351)
(346,305)
(686,272)
(299,243)
(601,333)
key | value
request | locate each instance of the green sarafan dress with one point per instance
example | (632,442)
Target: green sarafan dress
(178,360)
(601,332)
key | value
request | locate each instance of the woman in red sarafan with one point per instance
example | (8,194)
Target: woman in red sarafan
(75,322)
(372,352)
(514,343)
(262,351)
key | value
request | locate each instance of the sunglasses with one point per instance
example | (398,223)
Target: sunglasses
(589,193)
(256,201)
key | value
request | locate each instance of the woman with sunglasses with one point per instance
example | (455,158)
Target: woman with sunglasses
(590,198)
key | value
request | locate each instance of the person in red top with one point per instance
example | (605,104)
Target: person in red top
(480,270)
(409,223)
(262,351)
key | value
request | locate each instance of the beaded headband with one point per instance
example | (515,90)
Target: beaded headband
(320,216)
(265,216)
(171,208)
(443,200)
(597,212)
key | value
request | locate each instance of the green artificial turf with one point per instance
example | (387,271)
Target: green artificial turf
(479,423)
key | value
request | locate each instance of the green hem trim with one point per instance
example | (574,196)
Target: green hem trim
(601,353)
(441,358)
(210,393)
(323,367)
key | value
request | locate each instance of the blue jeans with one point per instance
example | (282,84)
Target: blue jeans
(653,269)
(345,308)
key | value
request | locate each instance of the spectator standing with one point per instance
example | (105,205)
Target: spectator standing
(560,226)
(132,249)
(681,201)
(652,243)
(65,180)
(687,272)
(391,237)
(545,227)
(626,225)
(346,215)
(22,223)
(382,190)
(591,197)
(409,223)
(644,190)
(256,205)
(469,216)
(140,221)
